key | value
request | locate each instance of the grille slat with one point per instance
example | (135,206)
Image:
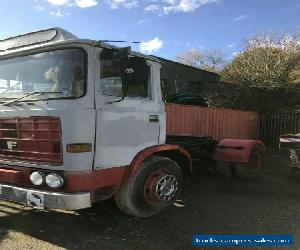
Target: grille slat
(7,129)
(15,139)
(52,130)
(31,159)
(29,152)
(34,139)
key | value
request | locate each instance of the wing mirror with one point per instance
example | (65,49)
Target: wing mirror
(122,54)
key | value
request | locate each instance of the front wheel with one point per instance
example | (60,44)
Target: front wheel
(154,187)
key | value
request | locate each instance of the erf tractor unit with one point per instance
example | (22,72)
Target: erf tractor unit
(82,121)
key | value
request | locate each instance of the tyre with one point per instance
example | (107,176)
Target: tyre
(250,169)
(154,187)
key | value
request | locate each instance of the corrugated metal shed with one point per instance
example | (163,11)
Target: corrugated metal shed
(217,123)
(184,79)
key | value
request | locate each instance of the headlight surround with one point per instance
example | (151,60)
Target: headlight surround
(37,178)
(54,180)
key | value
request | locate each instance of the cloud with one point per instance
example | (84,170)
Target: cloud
(58,2)
(152,8)
(155,6)
(128,4)
(131,4)
(38,8)
(151,46)
(86,3)
(70,3)
(239,18)
(230,46)
(185,5)
(143,21)
(58,13)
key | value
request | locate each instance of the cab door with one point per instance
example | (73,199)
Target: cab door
(127,112)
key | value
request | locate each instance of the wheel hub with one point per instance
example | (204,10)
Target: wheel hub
(166,187)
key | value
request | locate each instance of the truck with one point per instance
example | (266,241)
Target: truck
(82,121)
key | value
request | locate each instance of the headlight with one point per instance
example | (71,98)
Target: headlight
(37,178)
(54,180)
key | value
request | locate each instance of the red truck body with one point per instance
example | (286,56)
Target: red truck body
(216,123)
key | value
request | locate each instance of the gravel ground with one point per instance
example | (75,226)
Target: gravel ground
(268,204)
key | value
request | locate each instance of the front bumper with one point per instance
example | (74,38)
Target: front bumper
(45,199)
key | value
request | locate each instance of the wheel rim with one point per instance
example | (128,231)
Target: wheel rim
(161,186)
(255,162)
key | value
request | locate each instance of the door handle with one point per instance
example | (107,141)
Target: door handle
(153,118)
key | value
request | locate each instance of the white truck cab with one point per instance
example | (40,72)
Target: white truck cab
(78,118)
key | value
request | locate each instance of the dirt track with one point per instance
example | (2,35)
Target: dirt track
(269,204)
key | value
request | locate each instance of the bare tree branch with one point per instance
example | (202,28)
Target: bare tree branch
(211,60)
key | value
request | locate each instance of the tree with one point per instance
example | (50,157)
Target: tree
(211,60)
(266,73)
(267,60)
(263,76)
(192,58)
(214,60)
(234,96)
(288,42)
(264,67)
(295,73)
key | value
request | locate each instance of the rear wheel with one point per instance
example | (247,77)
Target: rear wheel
(250,169)
(154,187)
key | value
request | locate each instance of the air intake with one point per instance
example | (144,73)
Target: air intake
(33,139)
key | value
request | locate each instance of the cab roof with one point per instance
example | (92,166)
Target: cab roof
(52,36)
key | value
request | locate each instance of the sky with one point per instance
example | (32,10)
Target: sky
(164,27)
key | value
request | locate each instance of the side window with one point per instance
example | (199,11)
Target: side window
(129,78)
(111,80)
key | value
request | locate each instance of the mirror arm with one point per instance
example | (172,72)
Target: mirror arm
(123,97)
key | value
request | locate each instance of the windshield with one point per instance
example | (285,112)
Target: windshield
(61,72)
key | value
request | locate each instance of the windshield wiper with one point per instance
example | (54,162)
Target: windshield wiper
(29,94)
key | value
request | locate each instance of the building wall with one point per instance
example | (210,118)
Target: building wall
(179,78)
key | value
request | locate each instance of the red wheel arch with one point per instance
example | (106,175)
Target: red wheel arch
(174,152)
(234,150)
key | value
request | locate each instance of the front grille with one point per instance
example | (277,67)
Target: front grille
(33,139)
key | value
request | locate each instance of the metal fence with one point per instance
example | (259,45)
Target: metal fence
(272,125)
